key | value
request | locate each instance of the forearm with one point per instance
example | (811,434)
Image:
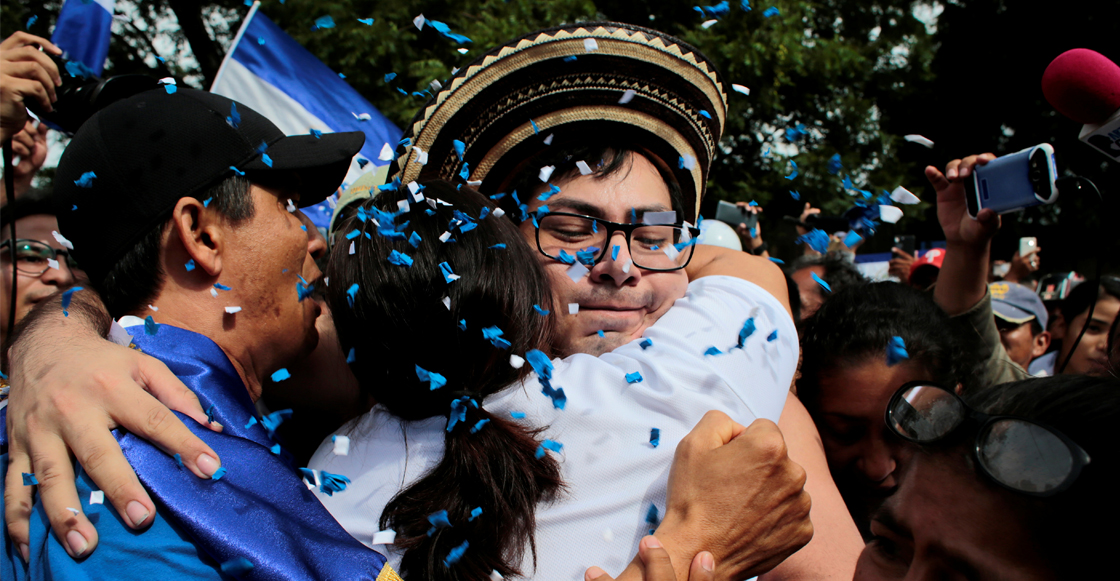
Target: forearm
(963,280)
(47,324)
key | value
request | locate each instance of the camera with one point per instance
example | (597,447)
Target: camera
(83,93)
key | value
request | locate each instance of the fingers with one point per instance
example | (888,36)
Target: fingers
(703,567)
(658,565)
(595,573)
(100,456)
(18,499)
(158,380)
(58,493)
(24,88)
(21,38)
(33,56)
(962,168)
(714,430)
(936,178)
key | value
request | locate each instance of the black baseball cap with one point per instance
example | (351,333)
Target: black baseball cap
(148,151)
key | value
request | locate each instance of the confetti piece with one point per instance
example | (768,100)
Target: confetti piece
(777,260)
(435,380)
(31,21)
(414,240)
(740,89)
(654,437)
(341,445)
(576,272)
(390,76)
(150,326)
(794,173)
(385,537)
(746,331)
(635,377)
(386,153)
(237,566)
(62,240)
(546,172)
(600,333)
(438,520)
(834,164)
(232,310)
(494,335)
(773,336)
(713,351)
(590,45)
(516,362)
(913,138)
(704,113)
(816,238)
(498,212)
(896,351)
(903,196)
(548,445)
(366,21)
(852,239)
(548,140)
(97,497)
(652,514)
(67,295)
(821,282)
(399,258)
(795,194)
(478,426)
(573,308)
(86,181)
(771,11)
(29,479)
(708,23)
(237,171)
(419,22)
(179,460)
(275,449)
(448,276)
(281,374)
(686,162)
(669,217)
(350,292)
(324,22)
(626,267)
(219,473)
(496,576)
(646,344)
(627,96)
(445,31)
(350,357)
(456,553)
(890,214)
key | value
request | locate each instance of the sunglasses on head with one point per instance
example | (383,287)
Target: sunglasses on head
(1017,453)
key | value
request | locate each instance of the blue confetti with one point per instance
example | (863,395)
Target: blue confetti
(318,134)
(498,247)
(237,171)
(331,483)
(234,118)
(435,380)
(252,421)
(517,415)
(179,460)
(646,344)
(773,336)
(414,240)
(535,129)
(210,414)
(390,76)
(821,282)
(237,566)
(795,194)
(705,114)
(745,5)
(324,22)
(771,11)
(267,160)
(303,227)
(86,181)
(366,21)
(747,330)
(633,216)
(465,172)
(540,363)
(896,351)
(794,174)
(601,334)
(462,324)
(852,239)
(189,265)
(455,554)
(548,445)
(221,286)
(654,437)
(718,11)
(635,377)
(478,426)
(219,473)
(816,238)
(445,31)
(713,351)
(475,513)
(303,290)
(399,258)
(273,420)
(29,479)
(614,252)
(151,327)
(350,357)
(170,89)
(281,374)
(67,295)
(448,276)
(834,164)
(652,514)
(494,335)
(260,40)
(350,292)
(795,133)
(460,147)
(459,411)
(353,234)
(587,257)
(275,449)
(540,311)
(570,59)
(31,21)
(206,202)
(79,69)
(565,257)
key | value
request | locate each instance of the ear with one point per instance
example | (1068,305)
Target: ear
(1058,327)
(1041,344)
(200,231)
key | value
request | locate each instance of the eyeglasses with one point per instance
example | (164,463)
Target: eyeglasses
(656,247)
(1017,453)
(33,257)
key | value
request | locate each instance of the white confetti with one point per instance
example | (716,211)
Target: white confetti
(97,497)
(341,445)
(435,85)
(402,205)
(118,335)
(741,89)
(166,81)
(444,237)
(446,302)
(890,214)
(52,263)
(708,23)
(62,240)
(461,51)
(496,576)
(669,217)
(386,153)
(584,169)
(546,172)
(627,96)
(474,183)
(573,308)
(73,510)
(688,162)
(352,247)
(919,140)
(548,140)
(577,271)
(232,310)
(419,22)
(387,537)
(498,213)
(361,117)
(291,207)
(589,45)
(153,308)
(213,292)
(421,156)
(904,196)
(671,251)
(626,267)
(516,362)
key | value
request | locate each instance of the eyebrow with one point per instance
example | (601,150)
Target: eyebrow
(588,209)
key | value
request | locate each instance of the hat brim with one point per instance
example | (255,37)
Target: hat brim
(1011,313)
(319,164)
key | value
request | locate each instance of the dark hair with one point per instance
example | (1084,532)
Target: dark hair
(1085,294)
(135,279)
(839,272)
(605,160)
(396,321)
(794,297)
(1087,410)
(855,324)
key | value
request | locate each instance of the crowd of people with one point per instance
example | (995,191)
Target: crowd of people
(521,354)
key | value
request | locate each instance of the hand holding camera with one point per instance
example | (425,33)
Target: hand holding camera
(29,77)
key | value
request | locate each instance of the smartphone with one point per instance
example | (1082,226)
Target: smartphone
(1013,182)
(906,243)
(734,215)
(1027,244)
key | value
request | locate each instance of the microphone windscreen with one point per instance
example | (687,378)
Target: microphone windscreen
(1083,85)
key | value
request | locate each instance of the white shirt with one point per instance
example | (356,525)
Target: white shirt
(612,472)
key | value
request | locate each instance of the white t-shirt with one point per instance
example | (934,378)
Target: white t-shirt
(612,472)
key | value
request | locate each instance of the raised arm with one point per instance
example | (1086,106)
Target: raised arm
(715,260)
(70,387)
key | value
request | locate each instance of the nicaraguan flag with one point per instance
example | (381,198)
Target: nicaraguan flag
(271,73)
(83,30)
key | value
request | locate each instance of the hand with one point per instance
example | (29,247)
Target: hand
(750,240)
(27,74)
(69,389)
(808,211)
(736,493)
(654,564)
(899,265)
(1022,266)
(952,211)
(30,146)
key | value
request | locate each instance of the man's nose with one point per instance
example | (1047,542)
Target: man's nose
(619,271)
(61,277)
(316,244)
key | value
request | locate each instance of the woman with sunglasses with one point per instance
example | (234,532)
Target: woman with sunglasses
(42,265)
(1006,486)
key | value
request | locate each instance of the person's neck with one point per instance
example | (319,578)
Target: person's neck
(190,312)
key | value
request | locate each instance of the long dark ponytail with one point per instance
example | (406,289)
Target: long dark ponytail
(396,320)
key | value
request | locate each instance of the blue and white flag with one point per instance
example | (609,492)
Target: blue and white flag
(83,30)
(275,76)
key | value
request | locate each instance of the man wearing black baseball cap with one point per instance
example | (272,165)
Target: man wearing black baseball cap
(183,206)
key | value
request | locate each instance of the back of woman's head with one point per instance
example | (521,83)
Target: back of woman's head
(428,344)
(857,322)
(1070,526)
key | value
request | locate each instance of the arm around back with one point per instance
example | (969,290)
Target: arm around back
(718,261)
